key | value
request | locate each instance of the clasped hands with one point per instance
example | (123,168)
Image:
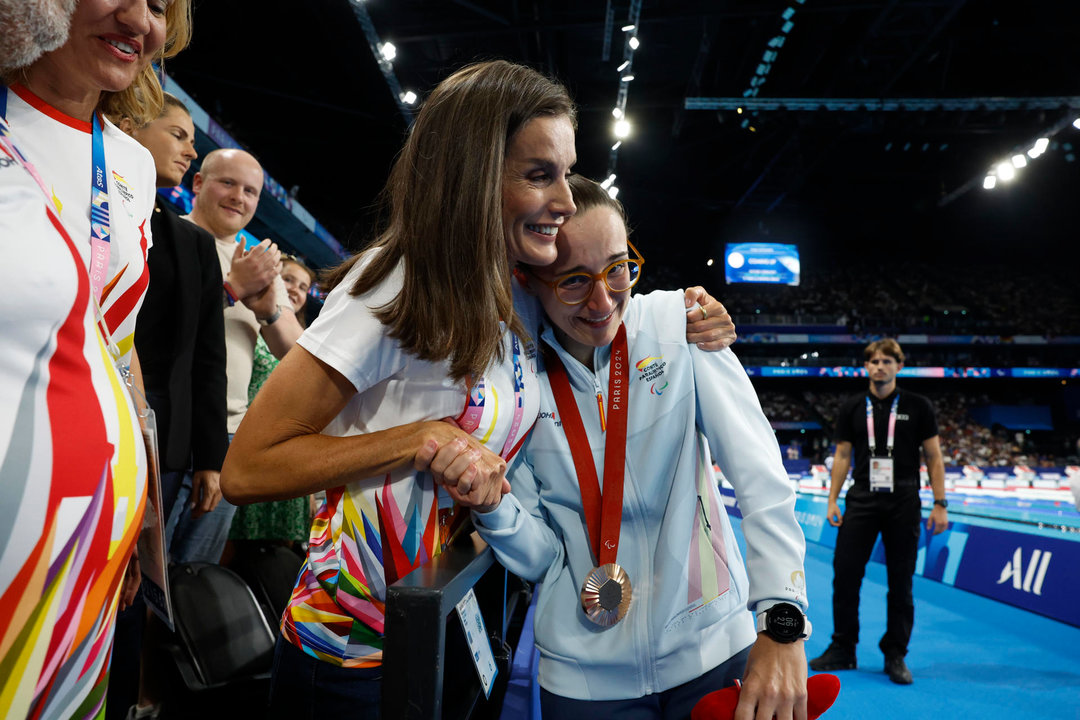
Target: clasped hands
(473,475)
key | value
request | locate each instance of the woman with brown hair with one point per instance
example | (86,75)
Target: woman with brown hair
(425,325)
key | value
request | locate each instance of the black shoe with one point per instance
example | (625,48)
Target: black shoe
(897,670)
(835,657)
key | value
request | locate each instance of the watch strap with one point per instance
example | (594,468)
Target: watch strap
(271,319)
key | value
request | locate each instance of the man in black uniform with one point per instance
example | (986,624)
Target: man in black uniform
(886,428)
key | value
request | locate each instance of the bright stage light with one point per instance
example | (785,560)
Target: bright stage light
(616,113)
(1006,171)
(388,50)
(626,64)
(613,192)
(709,262)
(635,43)
(1019,161)
(628,77)
(608,181)
(408,97)
(989,182)
(622,129)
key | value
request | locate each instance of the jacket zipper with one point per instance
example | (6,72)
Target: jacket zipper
(704,515)
(599,403)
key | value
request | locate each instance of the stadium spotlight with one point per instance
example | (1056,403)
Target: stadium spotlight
(608,181)
(613,192)
(622,128)
(1038,148)
(989,182)
(1006,171)
(635,43)
(388,50)
(408,97)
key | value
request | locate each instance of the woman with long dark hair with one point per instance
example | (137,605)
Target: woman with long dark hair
(424,325)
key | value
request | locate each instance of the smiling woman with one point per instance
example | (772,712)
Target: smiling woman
(76,195)
(425,325)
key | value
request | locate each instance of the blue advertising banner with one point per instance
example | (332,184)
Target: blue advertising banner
(1031,570)
(982,373)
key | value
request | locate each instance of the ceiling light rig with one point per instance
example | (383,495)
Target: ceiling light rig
(622,128)
(384,54)
(1004,171)
(768,58)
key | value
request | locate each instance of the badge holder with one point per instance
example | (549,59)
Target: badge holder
(881,474)
(153,561)
(472,623)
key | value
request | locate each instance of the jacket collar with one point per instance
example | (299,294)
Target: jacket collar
(581,377)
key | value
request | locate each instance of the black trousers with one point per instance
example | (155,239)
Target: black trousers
(897,516)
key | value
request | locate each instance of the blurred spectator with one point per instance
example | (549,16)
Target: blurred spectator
(283,521)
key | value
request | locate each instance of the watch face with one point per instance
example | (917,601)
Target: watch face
(784,622)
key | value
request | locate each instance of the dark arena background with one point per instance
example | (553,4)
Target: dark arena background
(917,162)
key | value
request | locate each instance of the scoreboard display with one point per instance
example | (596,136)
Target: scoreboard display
(761,262)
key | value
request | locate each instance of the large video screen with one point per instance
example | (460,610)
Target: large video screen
(761,262)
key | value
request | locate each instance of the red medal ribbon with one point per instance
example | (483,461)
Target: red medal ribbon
(603,512)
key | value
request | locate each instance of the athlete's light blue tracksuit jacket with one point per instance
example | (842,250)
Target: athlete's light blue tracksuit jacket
(691,591)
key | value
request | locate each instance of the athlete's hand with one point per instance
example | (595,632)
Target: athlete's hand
(774,683)
(708,324)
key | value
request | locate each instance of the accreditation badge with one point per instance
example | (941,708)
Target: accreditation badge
(881,474)
(606,594)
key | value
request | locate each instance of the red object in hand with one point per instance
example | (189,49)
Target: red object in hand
(821,692)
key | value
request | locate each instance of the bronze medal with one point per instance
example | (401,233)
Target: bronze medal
(606,594)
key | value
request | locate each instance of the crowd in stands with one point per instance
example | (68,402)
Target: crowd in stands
(990,300)
(963,440)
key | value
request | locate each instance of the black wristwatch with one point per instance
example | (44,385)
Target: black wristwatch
(942,503)
(784,623)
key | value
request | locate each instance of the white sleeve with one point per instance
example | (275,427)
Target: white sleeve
(348,336)
(518,530)
(744,445)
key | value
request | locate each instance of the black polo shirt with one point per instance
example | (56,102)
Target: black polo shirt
(915,422)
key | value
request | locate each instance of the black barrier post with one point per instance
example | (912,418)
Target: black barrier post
(414,648)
